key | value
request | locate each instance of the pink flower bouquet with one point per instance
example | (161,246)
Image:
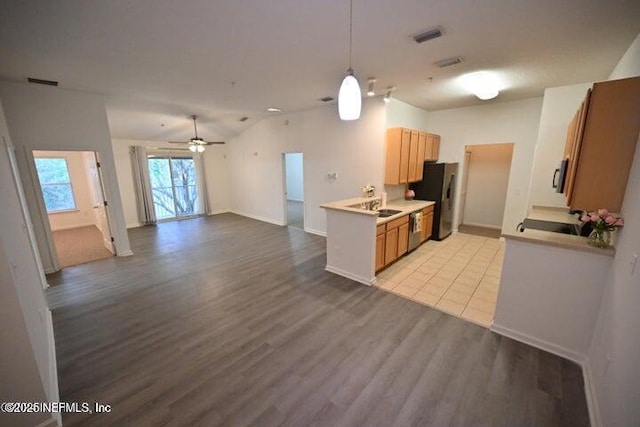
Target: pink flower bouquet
(602,220)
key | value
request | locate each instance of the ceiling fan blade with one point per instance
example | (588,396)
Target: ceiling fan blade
(178,142)
(213,142)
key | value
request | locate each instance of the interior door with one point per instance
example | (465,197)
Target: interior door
(99,208)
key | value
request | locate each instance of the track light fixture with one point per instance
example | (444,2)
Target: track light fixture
(371,90)
(387,96)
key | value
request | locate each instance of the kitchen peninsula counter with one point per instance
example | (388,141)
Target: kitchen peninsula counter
(351,235)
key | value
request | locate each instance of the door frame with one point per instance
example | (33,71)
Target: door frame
(43,216)
(285,210)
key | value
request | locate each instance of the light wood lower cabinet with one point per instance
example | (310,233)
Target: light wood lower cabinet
(392,241)
(391,246)
(427,223)
(380,245)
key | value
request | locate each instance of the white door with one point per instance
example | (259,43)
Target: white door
(99,208)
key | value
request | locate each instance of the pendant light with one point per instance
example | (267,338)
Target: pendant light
(349,96)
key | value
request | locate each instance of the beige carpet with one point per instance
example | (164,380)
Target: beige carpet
(479,231)
(79,245)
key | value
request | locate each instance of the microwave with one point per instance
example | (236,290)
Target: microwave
(560,176)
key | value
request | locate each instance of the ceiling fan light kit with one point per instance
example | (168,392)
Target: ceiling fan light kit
(349,95)
(196,144)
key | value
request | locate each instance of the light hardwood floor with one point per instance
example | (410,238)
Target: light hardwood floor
(229,321)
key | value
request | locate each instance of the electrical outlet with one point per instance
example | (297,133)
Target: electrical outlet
(633,262)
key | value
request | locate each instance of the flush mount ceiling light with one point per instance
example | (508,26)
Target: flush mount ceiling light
(387,96)
(349,96)
(274,110)
(371,90)
(482,84)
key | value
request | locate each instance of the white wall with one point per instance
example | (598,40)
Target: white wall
(401,114)
(216,174)
(487,183)
(558,108)
(28,362)
(352,149)
(49,118)
(84,213)
(294,176)
(613,366)
(496,122)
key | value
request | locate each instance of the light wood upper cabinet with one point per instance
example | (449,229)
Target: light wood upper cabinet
(432,150)
(406,152)
(601,145)
(413,158)
(397,158)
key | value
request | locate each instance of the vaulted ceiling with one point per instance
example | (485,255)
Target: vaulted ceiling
(158,61)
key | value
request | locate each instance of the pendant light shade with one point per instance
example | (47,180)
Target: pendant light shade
(349,95)
(349,98)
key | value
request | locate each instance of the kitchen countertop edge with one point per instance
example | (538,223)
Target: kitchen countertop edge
(558,240)
(405,206)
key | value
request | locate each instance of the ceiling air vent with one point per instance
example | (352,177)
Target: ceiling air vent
(326,99)
(244,119)
(448,62)
(429,34)
(42,82)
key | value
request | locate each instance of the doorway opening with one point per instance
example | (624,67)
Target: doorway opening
(70,183)
(294,190)
(483,195)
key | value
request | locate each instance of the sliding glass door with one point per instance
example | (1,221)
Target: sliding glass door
(174,186)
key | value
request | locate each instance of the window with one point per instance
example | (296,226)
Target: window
(55,183)
(173,184)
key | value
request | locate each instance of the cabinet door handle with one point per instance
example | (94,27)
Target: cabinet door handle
(554,183)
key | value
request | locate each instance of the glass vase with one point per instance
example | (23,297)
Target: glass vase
(599,238)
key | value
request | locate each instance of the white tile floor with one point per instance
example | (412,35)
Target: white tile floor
(459,275)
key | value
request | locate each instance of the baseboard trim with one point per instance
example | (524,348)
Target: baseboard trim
(348,275)
(49,422)
(125,253)
(70,227)
(316,232)
(473,224)
(218,212)
(295,200)
(259,218)
(591,395)
(133,225)
(538,343)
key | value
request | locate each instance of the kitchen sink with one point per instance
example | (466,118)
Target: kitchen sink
(384,213)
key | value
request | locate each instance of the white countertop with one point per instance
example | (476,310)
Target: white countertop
(553,214)
(353,205)
(559,240)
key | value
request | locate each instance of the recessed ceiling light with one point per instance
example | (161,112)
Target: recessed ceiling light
(274,110)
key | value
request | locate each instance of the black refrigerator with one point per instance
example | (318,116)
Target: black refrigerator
(438,185)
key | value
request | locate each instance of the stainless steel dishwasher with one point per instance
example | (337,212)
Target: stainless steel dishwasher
(415,230)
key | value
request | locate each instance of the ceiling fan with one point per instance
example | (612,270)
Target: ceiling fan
(196,144)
